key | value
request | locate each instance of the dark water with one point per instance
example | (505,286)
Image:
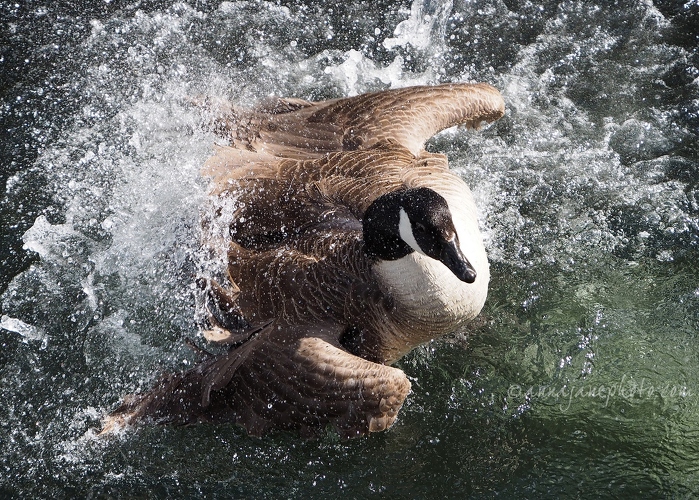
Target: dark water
(580,379)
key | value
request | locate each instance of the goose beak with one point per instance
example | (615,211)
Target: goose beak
(454,259)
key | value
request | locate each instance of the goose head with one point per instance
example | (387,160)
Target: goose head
(415,220)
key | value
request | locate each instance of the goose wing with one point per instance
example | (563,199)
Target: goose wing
(294,378)
(320,278)
(293,128)
(279,199)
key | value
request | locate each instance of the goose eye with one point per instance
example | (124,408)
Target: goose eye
(420,227)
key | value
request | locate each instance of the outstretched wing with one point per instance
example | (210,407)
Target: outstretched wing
(296,378)
(292,128)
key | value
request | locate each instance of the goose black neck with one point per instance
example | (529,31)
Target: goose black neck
(380,228)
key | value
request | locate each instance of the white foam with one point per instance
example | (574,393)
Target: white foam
(51,241)
(27,331)
(424,28)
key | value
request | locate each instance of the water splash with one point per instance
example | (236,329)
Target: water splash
(28,332)
(588,197)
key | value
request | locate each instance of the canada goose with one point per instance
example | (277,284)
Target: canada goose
(349,245)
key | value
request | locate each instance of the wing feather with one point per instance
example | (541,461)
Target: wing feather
(297,378)
(407,116)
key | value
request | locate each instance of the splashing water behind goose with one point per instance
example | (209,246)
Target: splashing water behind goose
(588,196)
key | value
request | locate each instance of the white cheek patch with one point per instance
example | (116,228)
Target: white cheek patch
(405,230)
